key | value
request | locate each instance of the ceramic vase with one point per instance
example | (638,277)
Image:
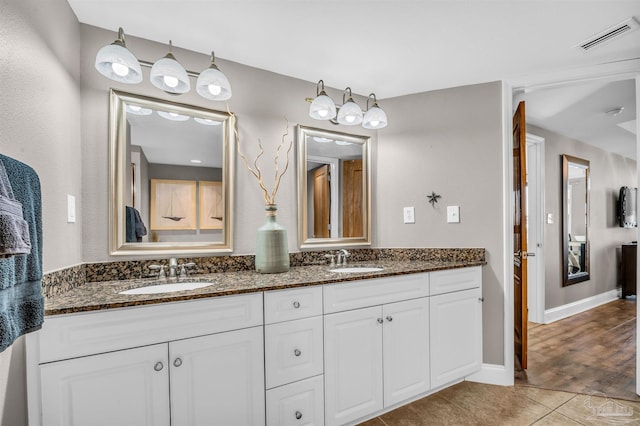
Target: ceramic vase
(272,249)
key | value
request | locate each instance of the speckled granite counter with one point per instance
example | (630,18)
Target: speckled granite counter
(94,296)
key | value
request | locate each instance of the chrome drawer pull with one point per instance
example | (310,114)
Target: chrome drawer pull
(298,415)
(297,352)
(380,320)
(158,366)
(177,362)
(296,304)
(389,318)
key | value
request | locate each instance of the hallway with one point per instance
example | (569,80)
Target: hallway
(594,351)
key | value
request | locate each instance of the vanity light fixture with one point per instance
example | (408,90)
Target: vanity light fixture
(349,113)
(138,110)
(167,74)
(320,139)
(213,84)
(174,116)
(117,63)
(322,107)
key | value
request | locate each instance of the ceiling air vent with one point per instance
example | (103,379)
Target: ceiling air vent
(611,33)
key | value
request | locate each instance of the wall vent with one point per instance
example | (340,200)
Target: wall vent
(611,33)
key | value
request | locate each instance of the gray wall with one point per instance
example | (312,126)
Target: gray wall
(608,173)
(449,142)
(40,116)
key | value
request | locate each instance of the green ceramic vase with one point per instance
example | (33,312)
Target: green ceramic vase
(272,247)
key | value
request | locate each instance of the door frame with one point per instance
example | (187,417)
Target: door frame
(536,287)
(621,70)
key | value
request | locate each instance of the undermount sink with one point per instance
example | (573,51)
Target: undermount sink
(167,288)
(356,269)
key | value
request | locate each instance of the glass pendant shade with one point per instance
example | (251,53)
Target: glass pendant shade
(167,74)
(322,107)
(375,118)
(350,113)
(213,84)
(117,63)
(173,116)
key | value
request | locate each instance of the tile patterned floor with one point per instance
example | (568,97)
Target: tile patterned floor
(469,403)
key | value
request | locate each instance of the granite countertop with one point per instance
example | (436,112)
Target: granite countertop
(94,296)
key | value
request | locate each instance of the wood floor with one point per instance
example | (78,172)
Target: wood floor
(591,352)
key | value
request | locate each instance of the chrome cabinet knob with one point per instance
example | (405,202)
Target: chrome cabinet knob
(177,362)
(298,415)
(297,352)
(389,318)
(380,320)
(159,366)
(481,299)
(296,304)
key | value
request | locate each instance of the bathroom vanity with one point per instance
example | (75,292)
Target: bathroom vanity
(336,350)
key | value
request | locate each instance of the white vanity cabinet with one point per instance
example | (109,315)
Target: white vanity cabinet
(141,366)
(375,356)
(294,361)
(456,324)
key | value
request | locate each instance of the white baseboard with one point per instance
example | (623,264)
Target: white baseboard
(492,374)
(564,311)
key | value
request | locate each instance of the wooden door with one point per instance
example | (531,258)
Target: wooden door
(520,310)
(128,387)
(321,202)
(353,364)
(218,379)
(405,350)
(352,209)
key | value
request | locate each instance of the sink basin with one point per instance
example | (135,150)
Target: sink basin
(356,269)
(167,288)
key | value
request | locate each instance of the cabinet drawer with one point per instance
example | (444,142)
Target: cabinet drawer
(70,336)
(297,404)
(285,305)
(455,280)
(361,294)
(293,351)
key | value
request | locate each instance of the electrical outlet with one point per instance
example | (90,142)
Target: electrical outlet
(409,215)
(453,214)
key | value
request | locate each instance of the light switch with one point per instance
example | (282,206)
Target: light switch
(550,218)
(409,215)
(71,209)
(453,214)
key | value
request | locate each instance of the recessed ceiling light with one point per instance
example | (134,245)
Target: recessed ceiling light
(615,111)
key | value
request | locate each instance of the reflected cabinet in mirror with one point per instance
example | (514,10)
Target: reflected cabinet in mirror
(575,220)
(170,177)
(334,189)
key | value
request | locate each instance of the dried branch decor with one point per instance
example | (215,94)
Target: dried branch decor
(269,197)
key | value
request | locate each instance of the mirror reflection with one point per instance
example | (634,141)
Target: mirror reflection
(170,185)
(333,188)
(575,183)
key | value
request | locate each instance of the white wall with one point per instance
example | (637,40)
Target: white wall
(608,172)
(448,142)
(39,125)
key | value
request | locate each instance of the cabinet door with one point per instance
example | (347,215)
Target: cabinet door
(218,379)
(296,404)
(353,364)
(405,349)
(293,351)
(128,387)
(456,335)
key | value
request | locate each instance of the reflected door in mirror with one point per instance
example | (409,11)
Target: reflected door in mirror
(575,233)
(321,202)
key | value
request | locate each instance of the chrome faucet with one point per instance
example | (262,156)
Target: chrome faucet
(341,257)
(173,267)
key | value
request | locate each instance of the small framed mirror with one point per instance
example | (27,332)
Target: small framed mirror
(170,177)
(575,220)
(334,189)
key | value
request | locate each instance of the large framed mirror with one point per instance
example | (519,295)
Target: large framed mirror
(170,177)
(334,189)
(575,220)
